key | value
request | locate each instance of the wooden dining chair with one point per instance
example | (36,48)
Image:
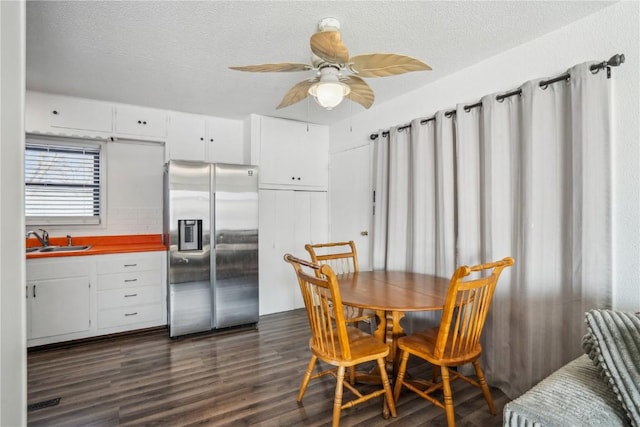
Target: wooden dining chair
(457,340)
(334,342)
(342,257)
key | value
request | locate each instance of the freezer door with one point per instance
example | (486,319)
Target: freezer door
(235,252)
(189,308)
(188,198)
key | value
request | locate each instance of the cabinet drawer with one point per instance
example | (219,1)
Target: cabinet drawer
(119,298)
(58,268)
(129,280)
(129,315)
(129,262)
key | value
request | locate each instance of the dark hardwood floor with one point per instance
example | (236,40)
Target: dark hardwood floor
(244,378)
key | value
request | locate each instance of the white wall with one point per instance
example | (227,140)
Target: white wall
(133,194)
(134,188)
(597,37)
(13,363)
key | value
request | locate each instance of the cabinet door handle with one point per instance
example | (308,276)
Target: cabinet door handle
(131,295)
(131,314)
(130,280)
(130,265)
(34,290)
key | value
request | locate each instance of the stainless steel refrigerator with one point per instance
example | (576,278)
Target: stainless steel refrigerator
(211,225)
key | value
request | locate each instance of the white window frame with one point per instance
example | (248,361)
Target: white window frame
(72,143)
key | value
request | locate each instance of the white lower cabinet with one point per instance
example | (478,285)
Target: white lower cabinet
(78,297)
(288,220)
(59,300)
(131,291)
(59,306)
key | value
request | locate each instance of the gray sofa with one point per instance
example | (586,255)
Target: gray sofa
(599,388)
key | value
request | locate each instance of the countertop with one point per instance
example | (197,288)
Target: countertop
(101,245)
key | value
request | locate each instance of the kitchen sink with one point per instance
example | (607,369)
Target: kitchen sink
(48,249)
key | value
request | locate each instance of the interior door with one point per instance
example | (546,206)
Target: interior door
(351,200)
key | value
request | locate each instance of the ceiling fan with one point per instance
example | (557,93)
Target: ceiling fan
(337,74)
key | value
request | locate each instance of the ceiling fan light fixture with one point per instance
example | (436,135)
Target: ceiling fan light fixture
(329,94)
(329,91)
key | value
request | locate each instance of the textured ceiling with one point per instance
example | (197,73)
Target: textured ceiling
(174,54)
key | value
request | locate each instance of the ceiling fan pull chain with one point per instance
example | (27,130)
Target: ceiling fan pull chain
(307,114)
(350,113)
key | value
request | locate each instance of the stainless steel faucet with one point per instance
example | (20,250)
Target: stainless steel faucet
(44,240)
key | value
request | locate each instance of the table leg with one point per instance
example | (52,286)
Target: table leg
(394,331)
(388,331)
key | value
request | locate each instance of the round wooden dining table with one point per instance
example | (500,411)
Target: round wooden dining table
(391,294)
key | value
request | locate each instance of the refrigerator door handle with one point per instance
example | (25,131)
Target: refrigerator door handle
(213,222)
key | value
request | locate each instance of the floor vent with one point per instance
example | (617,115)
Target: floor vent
(44,404)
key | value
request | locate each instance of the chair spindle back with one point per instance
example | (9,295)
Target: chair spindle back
(466,308)
(321,296)
(342,257)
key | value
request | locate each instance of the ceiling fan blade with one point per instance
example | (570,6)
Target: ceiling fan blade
(360,91)
(385,64)
(265,68)
(297,93)
(328,46)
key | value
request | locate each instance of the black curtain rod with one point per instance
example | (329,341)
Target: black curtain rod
(614,61)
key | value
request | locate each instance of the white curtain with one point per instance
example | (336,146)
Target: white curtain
(381,204)
(528,177)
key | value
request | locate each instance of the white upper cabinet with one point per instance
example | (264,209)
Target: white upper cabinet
(293,155)
(185,137)
(204,138)
(225,141)
(78,117)
(139,121)
(67,116)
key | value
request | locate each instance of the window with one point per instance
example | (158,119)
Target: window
(62,182)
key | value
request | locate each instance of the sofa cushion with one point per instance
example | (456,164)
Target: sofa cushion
(574,395)
(613,344)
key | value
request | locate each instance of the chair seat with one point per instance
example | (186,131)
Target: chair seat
(422,344)
(364,347)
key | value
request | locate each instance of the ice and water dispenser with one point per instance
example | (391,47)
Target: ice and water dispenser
(189,235)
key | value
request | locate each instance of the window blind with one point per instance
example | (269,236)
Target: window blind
(62,182)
